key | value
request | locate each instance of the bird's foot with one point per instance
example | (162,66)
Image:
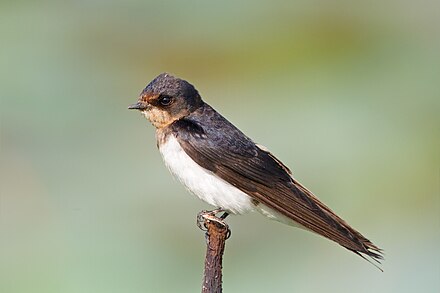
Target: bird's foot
(210,215)
(205,216)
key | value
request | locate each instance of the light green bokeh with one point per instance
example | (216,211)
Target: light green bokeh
(346,94)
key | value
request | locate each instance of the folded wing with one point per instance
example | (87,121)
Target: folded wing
(236,159)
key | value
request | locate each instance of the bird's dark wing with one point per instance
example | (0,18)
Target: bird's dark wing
(224,150)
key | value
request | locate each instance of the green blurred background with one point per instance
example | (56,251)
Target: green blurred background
(346,93)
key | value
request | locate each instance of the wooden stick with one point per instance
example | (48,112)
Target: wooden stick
(216,235)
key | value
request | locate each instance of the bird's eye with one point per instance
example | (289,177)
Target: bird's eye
(165,100)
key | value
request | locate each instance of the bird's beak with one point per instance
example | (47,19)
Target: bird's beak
(138,106)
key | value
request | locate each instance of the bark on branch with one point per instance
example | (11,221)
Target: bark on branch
(216,234)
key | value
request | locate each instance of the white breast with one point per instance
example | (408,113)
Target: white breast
(203,183)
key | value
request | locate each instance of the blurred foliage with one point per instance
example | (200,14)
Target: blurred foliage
(347,94)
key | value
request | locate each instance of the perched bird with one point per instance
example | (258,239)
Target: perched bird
(226,169)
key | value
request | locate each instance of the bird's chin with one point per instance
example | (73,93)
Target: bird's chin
(159,119)
(146,114)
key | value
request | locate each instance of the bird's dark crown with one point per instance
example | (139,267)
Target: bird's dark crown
(167,85)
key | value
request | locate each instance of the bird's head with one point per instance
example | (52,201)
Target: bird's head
(167,99)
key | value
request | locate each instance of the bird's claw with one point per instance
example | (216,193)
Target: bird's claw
(204,216)
(201,220)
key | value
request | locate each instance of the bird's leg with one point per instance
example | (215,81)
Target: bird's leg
(225,214)
(204,216)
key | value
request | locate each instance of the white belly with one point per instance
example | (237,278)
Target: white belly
(201,182)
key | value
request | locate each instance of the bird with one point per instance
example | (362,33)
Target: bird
(222,166)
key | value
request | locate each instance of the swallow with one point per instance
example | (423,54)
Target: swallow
(219,164)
